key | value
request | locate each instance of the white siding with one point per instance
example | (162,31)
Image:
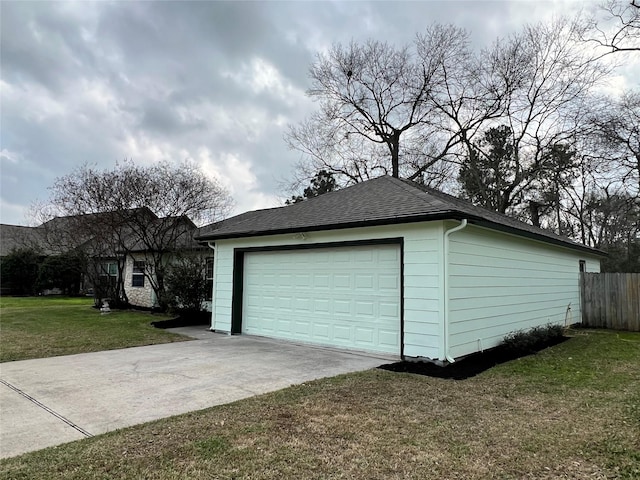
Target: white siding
(501,283)
(422,277)
(423,315)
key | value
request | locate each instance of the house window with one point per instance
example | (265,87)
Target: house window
(108,273)
(582,266)
(209,278)
(137,278)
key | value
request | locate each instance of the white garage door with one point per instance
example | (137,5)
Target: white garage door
(345,297)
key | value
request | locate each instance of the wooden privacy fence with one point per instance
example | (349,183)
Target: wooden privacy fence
(611,300)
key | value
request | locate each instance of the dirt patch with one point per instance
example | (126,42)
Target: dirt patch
(469,366)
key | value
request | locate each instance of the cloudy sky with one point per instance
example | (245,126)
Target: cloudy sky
(215,82)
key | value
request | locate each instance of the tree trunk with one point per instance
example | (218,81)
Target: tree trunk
(535,214)
(394,146)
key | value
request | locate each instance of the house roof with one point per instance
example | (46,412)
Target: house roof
(16,237)
(177,229)
(94,233)
(381,201)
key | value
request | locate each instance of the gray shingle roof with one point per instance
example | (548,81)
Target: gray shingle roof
(381,201)
(169,232)
(93,233)
(16,237)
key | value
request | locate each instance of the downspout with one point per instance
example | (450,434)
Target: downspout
(212,246)
(445,284)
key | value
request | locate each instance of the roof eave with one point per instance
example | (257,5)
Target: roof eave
(479,221)
(534,236)
(314,228)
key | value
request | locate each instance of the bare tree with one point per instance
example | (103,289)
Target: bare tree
(466,97)
(616,127)
(542,82)
(614,225)
(376,115)
(94,239)
(419,110)
(618,31)
(147,210)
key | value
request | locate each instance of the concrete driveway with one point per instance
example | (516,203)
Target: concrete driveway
(46,402)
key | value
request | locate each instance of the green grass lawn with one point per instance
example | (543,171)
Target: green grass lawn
(569,412)
(38,327)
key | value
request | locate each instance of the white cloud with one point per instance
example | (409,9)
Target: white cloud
(237,176)
(263,78)
(13,157)
(145,149)
(31,101)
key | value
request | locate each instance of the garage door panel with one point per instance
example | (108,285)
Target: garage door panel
(347,297)
(302,280)
(302,304)
(364,335)
(321,330)
(389,310)
(260,323)
(322,281)
(303,329)
(342,333)
(341,256)
(254,300)
(364,282)
(342,281)
(284,325)
(321,306)
(363,257)
(389,282)
(342,307)
(389,256)
(365,309)
(388,337)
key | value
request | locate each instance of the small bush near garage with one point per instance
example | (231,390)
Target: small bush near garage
(525,342)
(516,345)
(186,286)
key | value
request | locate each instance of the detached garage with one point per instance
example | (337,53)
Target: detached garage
(388,266)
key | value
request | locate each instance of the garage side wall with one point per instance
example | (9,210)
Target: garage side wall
(500,283)
(422,253)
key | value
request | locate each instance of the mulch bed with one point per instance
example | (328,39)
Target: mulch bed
(185,321)
(469,366)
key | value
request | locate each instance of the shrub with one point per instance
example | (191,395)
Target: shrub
(186,285)
(19,271)
(532,340)
(60,271)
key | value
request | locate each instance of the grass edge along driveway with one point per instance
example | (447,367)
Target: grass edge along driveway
(40,327)
(570,411)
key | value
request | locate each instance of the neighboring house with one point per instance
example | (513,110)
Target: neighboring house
(392,267)
(94,235)
(139,267)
